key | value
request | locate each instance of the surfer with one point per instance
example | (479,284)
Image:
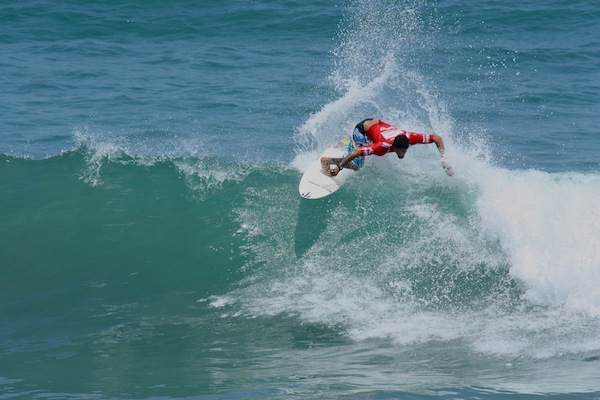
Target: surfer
(373,136)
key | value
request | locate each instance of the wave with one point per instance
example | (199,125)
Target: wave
(503,260)
(97,216)
(403,253)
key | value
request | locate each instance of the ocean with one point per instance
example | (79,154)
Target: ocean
(153,244)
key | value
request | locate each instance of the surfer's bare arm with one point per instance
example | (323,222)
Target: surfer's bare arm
(439,142)
(344,162)
(326,162)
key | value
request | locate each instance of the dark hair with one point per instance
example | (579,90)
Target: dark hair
(400,142)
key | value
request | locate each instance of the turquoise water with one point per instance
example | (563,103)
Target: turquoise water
(153,243)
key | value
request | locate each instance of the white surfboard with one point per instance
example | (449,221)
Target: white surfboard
(316,185)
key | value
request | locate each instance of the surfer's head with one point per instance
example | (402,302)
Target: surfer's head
(400,145)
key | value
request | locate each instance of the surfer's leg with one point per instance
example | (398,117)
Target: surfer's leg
(356,164)
(359,137)
(350,165)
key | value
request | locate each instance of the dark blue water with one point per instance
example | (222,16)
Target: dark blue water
(153,243)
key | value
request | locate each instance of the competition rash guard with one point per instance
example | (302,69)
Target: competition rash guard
(382,135)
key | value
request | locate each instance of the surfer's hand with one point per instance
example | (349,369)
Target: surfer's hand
(334,170)
(447,168)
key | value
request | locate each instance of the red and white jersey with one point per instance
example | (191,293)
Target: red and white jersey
(383,134)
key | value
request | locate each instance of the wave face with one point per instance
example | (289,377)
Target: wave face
(123,250)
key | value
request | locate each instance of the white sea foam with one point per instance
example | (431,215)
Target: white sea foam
(98,151)
(548,225)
